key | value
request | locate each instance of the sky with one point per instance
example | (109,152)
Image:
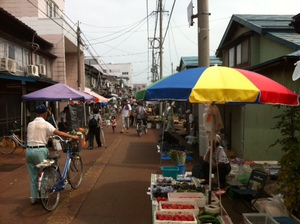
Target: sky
(121,31)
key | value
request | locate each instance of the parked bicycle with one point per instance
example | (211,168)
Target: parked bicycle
(9,143)
(52,181)
(140,127)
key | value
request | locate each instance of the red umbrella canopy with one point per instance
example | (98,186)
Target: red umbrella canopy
(219,84)
(223,85)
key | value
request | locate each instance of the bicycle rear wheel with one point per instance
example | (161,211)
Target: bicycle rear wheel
(75,172)
(7,145)
(48,194)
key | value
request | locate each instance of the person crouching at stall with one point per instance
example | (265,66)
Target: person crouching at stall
(220,163)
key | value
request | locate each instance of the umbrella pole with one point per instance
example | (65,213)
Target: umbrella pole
(210,165)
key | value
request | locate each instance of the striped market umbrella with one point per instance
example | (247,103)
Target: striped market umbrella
(220,85)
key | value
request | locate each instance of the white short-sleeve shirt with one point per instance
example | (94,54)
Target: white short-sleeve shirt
(39,131)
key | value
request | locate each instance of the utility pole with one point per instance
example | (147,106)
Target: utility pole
(203,33)
(160,41)
(203,61)
(78,57)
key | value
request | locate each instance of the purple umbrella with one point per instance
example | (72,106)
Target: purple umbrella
(57,92)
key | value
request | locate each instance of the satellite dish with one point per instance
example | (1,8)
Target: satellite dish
(296,73)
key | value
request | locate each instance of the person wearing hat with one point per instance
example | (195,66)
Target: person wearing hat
(191,122)
(38,133)
(220,163)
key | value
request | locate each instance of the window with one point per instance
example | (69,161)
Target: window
(11,51)
(237,55)
(231,57)
(52,9)
(22,57)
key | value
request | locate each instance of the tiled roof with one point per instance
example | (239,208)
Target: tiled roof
(192,61)
(275,27)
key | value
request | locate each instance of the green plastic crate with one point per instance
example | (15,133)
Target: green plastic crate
(170,171)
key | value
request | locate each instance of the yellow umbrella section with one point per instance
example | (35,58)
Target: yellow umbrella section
(222,85)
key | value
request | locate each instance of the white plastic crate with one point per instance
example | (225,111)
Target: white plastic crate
(195,210)
(173,214)
(258,218)
(198,197)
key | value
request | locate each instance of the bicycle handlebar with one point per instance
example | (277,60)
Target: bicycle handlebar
(60,138)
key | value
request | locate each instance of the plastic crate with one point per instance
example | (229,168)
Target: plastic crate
(199,198)
(164,213)
(170,171)
(258,218)
(284,220)
(195,210)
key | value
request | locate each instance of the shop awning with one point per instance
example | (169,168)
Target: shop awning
(97,97)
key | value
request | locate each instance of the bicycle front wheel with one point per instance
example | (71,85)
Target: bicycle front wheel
(75,172)
(7,145)
(48,194)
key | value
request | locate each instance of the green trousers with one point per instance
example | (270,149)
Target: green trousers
(35,156)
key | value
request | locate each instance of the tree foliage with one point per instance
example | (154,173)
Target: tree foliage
(288,123)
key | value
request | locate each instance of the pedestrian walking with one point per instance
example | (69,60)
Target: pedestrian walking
(95,123)
(169,115)
(190,122)
(126,111)
(38,133)
(113,122)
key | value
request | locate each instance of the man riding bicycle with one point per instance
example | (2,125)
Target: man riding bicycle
(141,114)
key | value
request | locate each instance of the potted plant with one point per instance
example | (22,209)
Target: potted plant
(179,158)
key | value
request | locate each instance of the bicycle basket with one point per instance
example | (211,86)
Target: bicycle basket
(73,146)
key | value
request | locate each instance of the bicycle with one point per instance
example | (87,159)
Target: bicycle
(9,143)
(140,127)
(52,181)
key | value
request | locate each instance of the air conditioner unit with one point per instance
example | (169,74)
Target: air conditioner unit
(42,69)
(33,70)
(7,64)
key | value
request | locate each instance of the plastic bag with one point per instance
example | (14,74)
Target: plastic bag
(244,174)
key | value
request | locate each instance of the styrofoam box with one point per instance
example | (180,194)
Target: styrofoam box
(193,203)
(198,197)
(156,221)
(258,218)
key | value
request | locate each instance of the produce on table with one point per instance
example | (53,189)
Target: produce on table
(175,217)
(177,206)
(206,217)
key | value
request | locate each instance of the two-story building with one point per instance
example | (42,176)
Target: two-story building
(269,45)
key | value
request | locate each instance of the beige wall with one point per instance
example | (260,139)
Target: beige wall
(34,8)
(20,8)
(71,71)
